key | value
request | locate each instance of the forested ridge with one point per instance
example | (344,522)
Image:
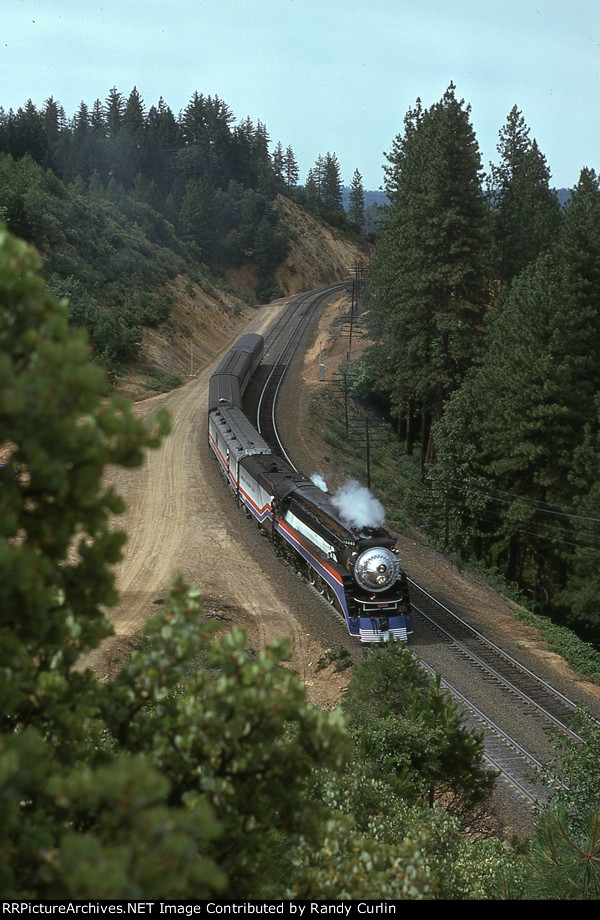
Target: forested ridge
(119,198)
(484,305)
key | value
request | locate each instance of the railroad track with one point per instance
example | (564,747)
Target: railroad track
(517,710)
(281,345)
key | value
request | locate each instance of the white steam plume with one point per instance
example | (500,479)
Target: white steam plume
(357,506)
(319,481)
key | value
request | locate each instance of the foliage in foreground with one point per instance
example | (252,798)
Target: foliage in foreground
(562,861)
(409,731)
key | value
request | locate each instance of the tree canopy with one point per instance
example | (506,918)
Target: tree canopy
(483,309)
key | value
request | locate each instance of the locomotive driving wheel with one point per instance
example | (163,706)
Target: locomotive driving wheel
(329,595)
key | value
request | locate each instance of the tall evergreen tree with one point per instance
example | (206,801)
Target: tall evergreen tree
(54,126)
(517,451)
(290,169)
(98,119)
(506,442)
(318,172)
(525,209)
(278,162)
(331,186)
(134,116)
(114,108)
(29,134)
(581,595)
(163,137)
(311,189)
(206,125)
(428,277)
(128,145)
(356,205)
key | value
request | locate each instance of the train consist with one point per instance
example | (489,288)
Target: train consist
(355,567)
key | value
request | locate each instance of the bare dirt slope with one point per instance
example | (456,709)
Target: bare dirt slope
(175,524)
(319,255)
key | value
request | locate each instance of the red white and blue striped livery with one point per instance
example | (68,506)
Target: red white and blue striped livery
(356,569)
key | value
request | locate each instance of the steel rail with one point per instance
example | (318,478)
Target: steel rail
(506,670)
(295,334)
(500,749)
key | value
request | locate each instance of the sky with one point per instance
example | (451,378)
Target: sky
(324,76)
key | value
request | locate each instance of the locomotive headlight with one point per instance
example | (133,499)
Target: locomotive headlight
(376,569)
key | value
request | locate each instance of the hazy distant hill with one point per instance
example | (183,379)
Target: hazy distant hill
(371,197)
(374,200)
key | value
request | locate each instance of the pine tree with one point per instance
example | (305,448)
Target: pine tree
(114,107)
(356,206)
(28,135)
(428,276)
(506,441)
(278,162)
(410,730)
(54,126)
(331,186)
(290,169)
(134,115)
(163,137)
(525,210)
(311,190)
(581,594)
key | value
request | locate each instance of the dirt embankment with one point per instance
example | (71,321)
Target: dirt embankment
(205,319)
(319,254)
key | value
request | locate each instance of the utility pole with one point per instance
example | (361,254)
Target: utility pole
(345,389)
(368,443)
(359,272)
(353,295)
(368,440)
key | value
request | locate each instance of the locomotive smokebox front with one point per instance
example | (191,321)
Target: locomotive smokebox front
(377,569)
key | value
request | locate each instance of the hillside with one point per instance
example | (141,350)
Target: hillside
(319,254)
(203,318)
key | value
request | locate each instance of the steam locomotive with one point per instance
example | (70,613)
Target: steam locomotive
(355,567)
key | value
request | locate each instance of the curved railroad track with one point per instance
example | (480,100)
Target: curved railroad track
(282,342)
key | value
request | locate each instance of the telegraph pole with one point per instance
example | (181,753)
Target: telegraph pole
(368,443)
(368,440)
(358,278)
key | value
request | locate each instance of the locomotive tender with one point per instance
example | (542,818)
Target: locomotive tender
(356,569)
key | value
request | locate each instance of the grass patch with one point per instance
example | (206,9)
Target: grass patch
(340,658)
(582,656)
(163,381)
